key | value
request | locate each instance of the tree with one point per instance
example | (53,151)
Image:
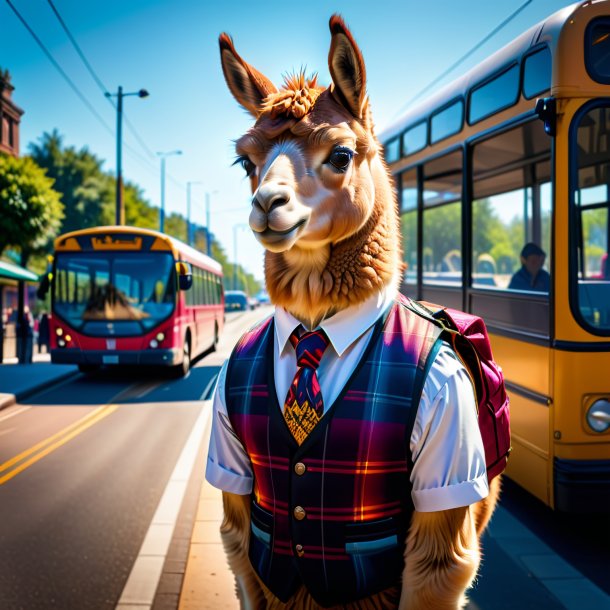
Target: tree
(86,190)
(30,209)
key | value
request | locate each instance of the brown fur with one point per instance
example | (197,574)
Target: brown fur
(332,240)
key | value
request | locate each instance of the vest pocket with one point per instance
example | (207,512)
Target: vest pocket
(261,523)
(376,550)
(261,532)
(368,531)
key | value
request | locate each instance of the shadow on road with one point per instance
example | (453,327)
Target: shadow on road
(126,385)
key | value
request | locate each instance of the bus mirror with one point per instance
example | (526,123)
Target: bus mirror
(546,109)
(185,275)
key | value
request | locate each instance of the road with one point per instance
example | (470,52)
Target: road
(84,465)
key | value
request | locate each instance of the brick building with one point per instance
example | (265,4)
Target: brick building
(10,116)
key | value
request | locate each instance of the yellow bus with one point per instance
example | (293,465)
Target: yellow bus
(513,159)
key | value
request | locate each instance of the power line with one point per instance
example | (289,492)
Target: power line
(59,68)
(97,79)
(152,167)
(464,57)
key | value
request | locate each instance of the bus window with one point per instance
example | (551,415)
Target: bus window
(592,202)
(597,50)
(537,69)
(414,139)
(496,94)
(408,223)
(512,203)
(447,122)
(392,150)
(442,221)
(207,296)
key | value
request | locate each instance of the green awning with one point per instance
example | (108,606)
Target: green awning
(14,272)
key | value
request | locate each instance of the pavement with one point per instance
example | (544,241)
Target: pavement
(18,381)
(208,584)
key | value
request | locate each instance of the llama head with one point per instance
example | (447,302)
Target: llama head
(322,204)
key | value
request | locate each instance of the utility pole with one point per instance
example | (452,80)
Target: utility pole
(120,204)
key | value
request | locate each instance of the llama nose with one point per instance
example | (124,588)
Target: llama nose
(271,196)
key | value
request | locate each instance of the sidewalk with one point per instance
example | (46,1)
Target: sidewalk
(18,381)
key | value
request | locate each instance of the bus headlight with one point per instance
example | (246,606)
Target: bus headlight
(61,343)
(59,331)
(598,415)
(153,343)
(160,337)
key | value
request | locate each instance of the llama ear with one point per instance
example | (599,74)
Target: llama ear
(247,84)
(347,70)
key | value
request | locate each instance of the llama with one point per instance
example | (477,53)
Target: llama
(324,209)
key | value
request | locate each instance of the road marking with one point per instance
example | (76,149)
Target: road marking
(208,387)
(32,455)
(15,412)
(141,586)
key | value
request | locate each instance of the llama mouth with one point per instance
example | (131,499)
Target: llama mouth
(269,233)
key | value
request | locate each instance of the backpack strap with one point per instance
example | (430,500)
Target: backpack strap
(455,339)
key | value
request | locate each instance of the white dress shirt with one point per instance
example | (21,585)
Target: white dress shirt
(446,445)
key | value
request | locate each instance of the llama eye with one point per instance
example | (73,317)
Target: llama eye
(340,158)
(248,166)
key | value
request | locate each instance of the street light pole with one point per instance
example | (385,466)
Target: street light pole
(163,156)
(208,234)
(235,228)
(189,231)
(120,205)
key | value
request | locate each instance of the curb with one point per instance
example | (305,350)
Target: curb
(8,400)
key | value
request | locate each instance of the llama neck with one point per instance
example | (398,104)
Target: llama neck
(313,285)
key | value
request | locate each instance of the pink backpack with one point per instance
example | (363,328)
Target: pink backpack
(468,336)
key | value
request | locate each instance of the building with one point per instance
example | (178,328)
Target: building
(10,116)
(13,294)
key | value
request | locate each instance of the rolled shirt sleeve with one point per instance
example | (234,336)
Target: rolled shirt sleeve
(228,466)
(446,445)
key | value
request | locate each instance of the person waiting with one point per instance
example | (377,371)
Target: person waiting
(531,276)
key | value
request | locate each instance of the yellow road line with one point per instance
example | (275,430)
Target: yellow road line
(42,449)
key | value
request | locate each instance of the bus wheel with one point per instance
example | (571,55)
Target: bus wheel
(88,368)
(182,369)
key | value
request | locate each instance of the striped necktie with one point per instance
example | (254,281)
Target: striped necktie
(303,406)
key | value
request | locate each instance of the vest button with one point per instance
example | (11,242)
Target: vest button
(299,513)
(300,468)
(300,550)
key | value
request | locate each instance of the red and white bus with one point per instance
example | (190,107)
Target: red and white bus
(130,296)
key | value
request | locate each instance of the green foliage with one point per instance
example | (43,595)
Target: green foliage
(30,209)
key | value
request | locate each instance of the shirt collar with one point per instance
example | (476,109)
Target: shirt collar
(344,327)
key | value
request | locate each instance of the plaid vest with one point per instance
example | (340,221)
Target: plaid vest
(333,513)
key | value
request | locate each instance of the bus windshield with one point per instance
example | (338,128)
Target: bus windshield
(114,293)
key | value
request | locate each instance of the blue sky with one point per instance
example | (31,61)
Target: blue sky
(170,48)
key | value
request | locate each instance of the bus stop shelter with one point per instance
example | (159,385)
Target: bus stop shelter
(15,326)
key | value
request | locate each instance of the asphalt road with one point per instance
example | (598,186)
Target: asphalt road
(84,464)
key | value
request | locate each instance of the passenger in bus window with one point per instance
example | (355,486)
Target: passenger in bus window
(531,276)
